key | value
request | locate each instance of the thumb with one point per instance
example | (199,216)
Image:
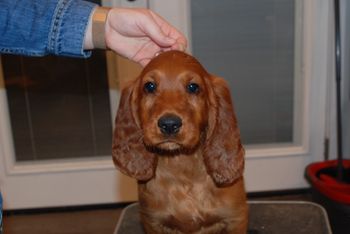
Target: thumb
(154,31)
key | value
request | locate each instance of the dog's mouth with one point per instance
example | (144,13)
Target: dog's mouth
(169,147)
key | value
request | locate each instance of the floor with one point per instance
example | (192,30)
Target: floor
(95,221)
(91,220)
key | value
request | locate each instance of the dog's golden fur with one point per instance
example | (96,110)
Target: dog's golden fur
(190,180)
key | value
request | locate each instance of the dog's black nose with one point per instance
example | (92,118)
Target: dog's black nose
(169,124)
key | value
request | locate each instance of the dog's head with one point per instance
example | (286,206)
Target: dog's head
(174,107)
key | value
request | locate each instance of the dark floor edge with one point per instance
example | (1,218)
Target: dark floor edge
(78,208)
(62,209)
(287,192)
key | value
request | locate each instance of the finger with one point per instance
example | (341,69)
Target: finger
(179,46)
(155,32)
(169,30)
(144,62)
(181,42)
(147,52)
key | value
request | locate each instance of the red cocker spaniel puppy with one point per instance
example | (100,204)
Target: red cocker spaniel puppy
(176,133)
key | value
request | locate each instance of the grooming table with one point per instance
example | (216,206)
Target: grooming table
(264,218)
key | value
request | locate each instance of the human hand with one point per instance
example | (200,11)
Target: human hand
(139,34)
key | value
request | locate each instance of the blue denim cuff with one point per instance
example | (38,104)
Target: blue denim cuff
(67,32)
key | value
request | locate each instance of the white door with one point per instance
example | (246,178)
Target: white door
(55,157)
(56,131)
(275,56)
(56,122)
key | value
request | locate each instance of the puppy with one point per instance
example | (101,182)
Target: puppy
(177,134)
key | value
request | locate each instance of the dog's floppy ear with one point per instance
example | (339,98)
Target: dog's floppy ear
(223,152)
(129,153)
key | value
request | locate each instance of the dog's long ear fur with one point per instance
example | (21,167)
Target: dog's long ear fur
(223,152)
(129,153)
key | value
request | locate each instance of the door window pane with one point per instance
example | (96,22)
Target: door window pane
(251,44)
(59,107)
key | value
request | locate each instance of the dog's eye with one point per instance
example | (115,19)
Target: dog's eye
(150,87)
(193,88)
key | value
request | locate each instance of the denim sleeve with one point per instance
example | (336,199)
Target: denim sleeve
(41,27)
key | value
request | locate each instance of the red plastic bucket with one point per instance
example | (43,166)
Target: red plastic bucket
(328,185)
(331,194)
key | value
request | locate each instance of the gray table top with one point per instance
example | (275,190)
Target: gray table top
(265,217)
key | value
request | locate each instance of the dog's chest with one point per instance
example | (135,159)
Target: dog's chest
(182,193)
